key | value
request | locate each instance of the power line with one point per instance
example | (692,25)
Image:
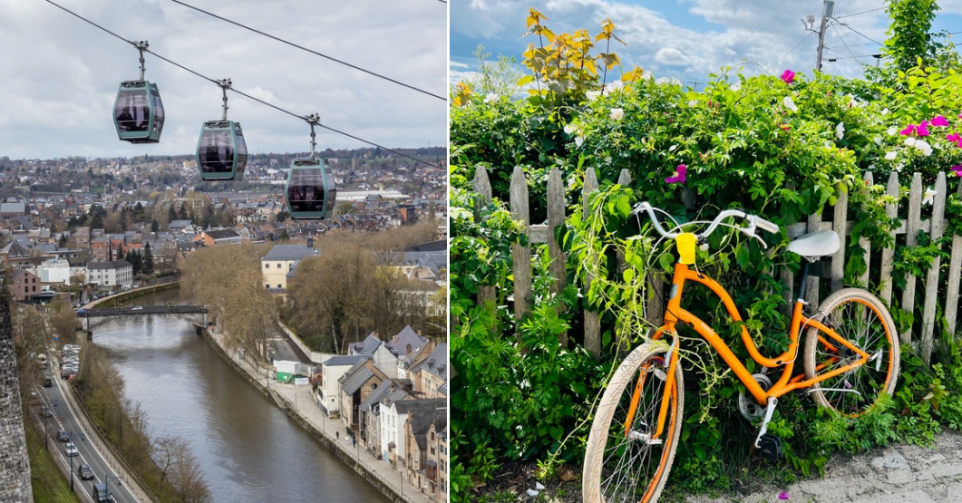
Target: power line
(268,35)
(765,19)
(844,42)
(860,13)
(793,48)
(292,114)
(861,35)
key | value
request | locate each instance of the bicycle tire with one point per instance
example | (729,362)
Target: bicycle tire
(617,472)
(862,319)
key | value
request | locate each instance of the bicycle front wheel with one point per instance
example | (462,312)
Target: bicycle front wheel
(860,318)
(626,461)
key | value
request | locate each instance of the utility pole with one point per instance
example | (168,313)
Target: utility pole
(828,9)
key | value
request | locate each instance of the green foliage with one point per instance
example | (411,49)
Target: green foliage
(909,36)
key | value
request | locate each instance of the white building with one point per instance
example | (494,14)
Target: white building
(54,271)
(329,391)
(117,273)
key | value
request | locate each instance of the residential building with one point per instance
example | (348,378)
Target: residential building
(356,385)
(220,237)
(430,374)
(54,271)
(331,371)
(116,273)
(393,429)
(421,448)
(24,284)
(281,261)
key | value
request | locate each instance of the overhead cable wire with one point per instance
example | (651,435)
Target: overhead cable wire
(844,42)
(325,56)
(862,35)
(786,54)
(198,74)
(860,13)
(755,29)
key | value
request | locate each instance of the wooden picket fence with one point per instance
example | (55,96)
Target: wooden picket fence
(830,270)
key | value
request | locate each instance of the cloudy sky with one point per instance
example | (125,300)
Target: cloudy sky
(59,75)
(689,39)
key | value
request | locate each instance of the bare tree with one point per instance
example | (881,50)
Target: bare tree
(178,465)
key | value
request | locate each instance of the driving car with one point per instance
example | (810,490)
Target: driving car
(85,472)
(137,308)
(71,449)
(63,435)
(45,411)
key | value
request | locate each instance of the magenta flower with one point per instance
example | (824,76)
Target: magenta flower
(679,176)
(788,76)
(939,121)
(957,169)
(955,138)
(783,495)
(908,130)
(922,129)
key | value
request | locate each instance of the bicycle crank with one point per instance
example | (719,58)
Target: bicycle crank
(747,406)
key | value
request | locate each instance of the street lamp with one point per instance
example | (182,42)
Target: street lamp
(107,478)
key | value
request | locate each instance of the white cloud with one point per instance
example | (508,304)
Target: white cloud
(59,75)
(670,56)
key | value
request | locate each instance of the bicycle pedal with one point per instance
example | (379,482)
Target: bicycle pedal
(770,447)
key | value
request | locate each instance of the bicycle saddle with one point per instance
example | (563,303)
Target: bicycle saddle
(817,244)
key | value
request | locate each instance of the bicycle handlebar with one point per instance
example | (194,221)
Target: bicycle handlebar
(753,220)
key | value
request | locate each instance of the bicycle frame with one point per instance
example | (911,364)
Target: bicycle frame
(674,313)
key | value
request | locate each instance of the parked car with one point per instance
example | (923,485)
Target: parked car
(137,308)
(63,435)
(72,449)
(47,381)
(85,472)
(46,412)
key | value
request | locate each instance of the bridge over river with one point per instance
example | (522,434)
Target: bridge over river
(85,315)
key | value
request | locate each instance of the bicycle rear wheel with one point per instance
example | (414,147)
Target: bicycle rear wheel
(623,464)
(862,319)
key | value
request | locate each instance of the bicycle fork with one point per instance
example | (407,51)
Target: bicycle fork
(648,437)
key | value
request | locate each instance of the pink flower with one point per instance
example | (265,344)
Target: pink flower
(785,127)
(957,169)
(679,176)
(939,121)
(783,495)
(908,130)
(788,76)
(922,129)
(955,138)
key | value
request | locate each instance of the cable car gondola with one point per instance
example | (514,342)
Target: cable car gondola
(138,109)
(311,190)
(221,150)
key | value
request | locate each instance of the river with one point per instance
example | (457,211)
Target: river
(249,450)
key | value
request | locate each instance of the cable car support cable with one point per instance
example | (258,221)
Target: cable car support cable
(268,35)
(214,81)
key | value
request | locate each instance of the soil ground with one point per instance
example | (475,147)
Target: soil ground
(897,474)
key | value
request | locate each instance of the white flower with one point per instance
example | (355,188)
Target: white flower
(929,196)
(899,166)
(675,82)
(661,81)
(910,141)
(491,98)
(840,130)
(617,114)
(737,86)
(877,140)
(593,95)
(579,140)
(885,111)
(893,131)
(924,146)
(871,167)
(852,102)
(672,148)
(570,129)
(890,155)
(789,104)
(613,86)
(608,160)
(692,103)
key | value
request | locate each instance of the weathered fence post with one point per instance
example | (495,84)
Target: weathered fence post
(592,322)
(864,243)
(624,179)
(839,224)
(912,226)
(888,254)
(811,293)
(521,255)
(556,217)
(932,275)
(952,290)
(483,187)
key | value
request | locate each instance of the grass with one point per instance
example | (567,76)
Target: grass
(49,484)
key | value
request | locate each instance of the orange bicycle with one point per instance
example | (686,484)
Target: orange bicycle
(851,357)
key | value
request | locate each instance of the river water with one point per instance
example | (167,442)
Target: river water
(249,450)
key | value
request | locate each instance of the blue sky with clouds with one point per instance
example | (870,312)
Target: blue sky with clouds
(689,39)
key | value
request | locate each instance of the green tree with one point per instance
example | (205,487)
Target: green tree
(148,260)
(499,78)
